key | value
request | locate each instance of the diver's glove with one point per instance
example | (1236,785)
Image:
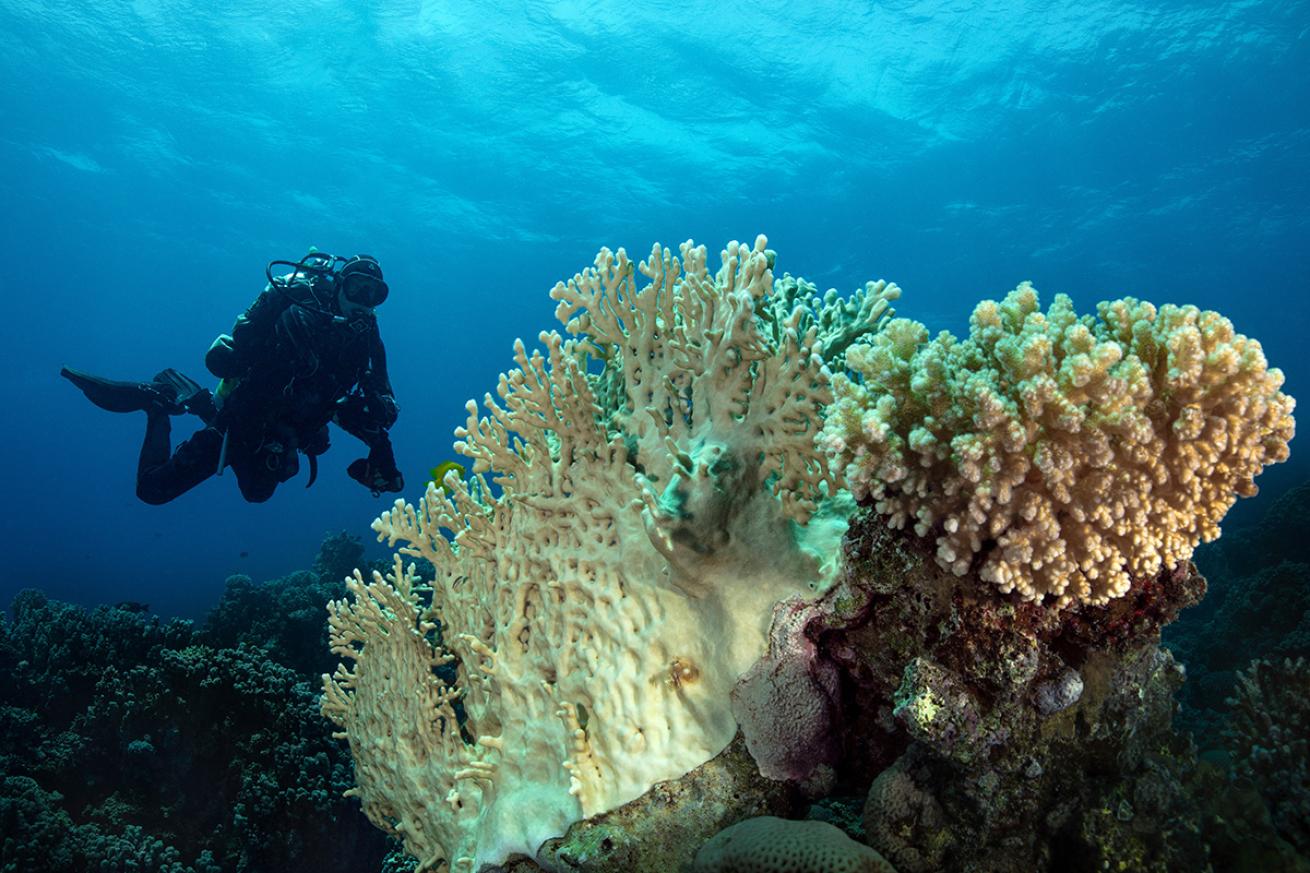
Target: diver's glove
(385,408)
(377,472)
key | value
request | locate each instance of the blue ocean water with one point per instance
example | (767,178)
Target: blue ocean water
(154,155)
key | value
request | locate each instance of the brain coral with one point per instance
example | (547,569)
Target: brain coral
(1061,455)
(774,845)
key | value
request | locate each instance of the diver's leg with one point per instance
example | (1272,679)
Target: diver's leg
(161,477)
(378,472)
(354,417)
(261,470)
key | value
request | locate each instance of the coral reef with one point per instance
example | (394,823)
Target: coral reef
(986,712)
(659,489)
(985,732)
(1258,608)
(284,617)
(1270,738)
(997,734)
(1064,456)
(132,744)
(645,564)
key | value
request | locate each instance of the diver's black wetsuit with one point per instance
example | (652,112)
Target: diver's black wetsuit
(292,364)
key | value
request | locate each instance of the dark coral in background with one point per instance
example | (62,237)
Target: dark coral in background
(133,744)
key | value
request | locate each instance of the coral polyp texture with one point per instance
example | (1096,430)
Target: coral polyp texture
(655,487)
(1061,456)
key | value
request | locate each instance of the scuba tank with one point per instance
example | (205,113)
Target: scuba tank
(305,285)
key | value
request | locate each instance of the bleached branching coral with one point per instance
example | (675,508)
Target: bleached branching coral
(1063,455)
(724,364)
(653,476)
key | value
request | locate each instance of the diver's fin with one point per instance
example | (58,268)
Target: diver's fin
(117,396)
(189,395)
(184,387)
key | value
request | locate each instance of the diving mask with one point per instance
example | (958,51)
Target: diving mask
(361,281)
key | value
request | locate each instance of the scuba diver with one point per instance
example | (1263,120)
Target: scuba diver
(305,353)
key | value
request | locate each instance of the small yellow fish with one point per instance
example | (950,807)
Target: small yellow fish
(439,472)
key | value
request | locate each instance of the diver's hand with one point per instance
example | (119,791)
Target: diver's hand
(376,478)
(385,407)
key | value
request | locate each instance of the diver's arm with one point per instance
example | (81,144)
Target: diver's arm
(376,384)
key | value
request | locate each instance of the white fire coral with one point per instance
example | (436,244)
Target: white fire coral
(1067,454)
(653,474)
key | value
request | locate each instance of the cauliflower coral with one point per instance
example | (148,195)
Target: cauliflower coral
(1059,455)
